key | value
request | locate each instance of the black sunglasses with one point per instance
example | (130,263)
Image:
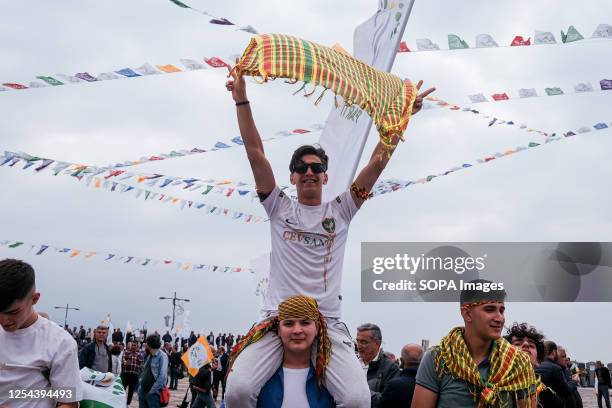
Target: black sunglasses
(316,168)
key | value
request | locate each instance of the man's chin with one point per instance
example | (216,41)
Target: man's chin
(10,328)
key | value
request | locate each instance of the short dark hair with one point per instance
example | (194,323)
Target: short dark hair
(154,341)
(549,346)
(303,151)
(16,281)
(376,333)
(522,331)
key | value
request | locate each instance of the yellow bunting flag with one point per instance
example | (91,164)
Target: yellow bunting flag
(197,356)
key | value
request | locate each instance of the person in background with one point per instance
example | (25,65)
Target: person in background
(154,374)
(379,369)
(115,352)
(399,390)
(175,367)
(130,369)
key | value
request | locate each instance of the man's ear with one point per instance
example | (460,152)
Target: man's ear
(35,298)
(325,178)
(291,179)
(466,313)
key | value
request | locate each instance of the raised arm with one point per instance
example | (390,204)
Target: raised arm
(379,159)
(262,171)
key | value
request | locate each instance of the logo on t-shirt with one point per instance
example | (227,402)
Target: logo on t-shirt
(329,225)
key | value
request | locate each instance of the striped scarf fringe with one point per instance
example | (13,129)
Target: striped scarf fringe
(510,371)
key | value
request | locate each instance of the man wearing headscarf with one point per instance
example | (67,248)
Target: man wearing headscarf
(474,366)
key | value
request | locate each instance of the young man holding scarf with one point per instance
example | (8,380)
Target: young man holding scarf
(308,240)
(474,366)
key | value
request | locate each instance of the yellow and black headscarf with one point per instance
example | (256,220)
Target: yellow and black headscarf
(295,307)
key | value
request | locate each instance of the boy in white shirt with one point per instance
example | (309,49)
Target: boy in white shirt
(35,353)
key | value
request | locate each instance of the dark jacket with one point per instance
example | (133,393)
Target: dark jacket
(399,390)
(380,372)
(553,377)
(272,393)
(603,376)
(224,359)
(203,379)
(88,355)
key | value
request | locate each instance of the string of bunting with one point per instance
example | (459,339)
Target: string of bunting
(98,181)
(75,253)
(603,31)
(110,177)
(236,141)
(391,185)
(491,120)
(455,42)
(582,87)
(144,70)
(216,20)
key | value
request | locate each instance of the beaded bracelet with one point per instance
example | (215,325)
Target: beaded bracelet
(361,192)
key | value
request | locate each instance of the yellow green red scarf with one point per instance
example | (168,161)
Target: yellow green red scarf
(386,98)
(510,370)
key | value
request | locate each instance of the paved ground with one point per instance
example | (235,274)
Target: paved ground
(588,398)
(176,396)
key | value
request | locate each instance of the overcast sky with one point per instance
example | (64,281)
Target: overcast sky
(558,192)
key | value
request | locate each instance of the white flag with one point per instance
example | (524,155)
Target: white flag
(544,37)
(146,69)
(192,65)
(477,98)
(375,42)
(248,29)
(36,84)
(603,31)
(527,92)
(106,76)
(484,41)
(583,87)
(69,78)
(425,44)
(101,390)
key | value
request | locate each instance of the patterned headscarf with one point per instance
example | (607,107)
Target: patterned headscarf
(510,370)
(295,307)
(385,97)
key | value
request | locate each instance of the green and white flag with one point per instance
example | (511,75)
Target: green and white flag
(102,390)
(456,43)
(571,36)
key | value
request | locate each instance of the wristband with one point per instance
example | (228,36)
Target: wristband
(242,103)
(361,192)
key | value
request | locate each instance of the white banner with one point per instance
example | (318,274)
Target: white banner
(375,42)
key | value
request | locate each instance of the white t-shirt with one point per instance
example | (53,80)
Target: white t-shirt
(294,388)
(307,249)
(44,345)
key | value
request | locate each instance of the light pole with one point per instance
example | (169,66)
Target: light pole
(173,299)
(67,307)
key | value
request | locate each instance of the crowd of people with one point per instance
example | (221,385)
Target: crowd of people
(126,356)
